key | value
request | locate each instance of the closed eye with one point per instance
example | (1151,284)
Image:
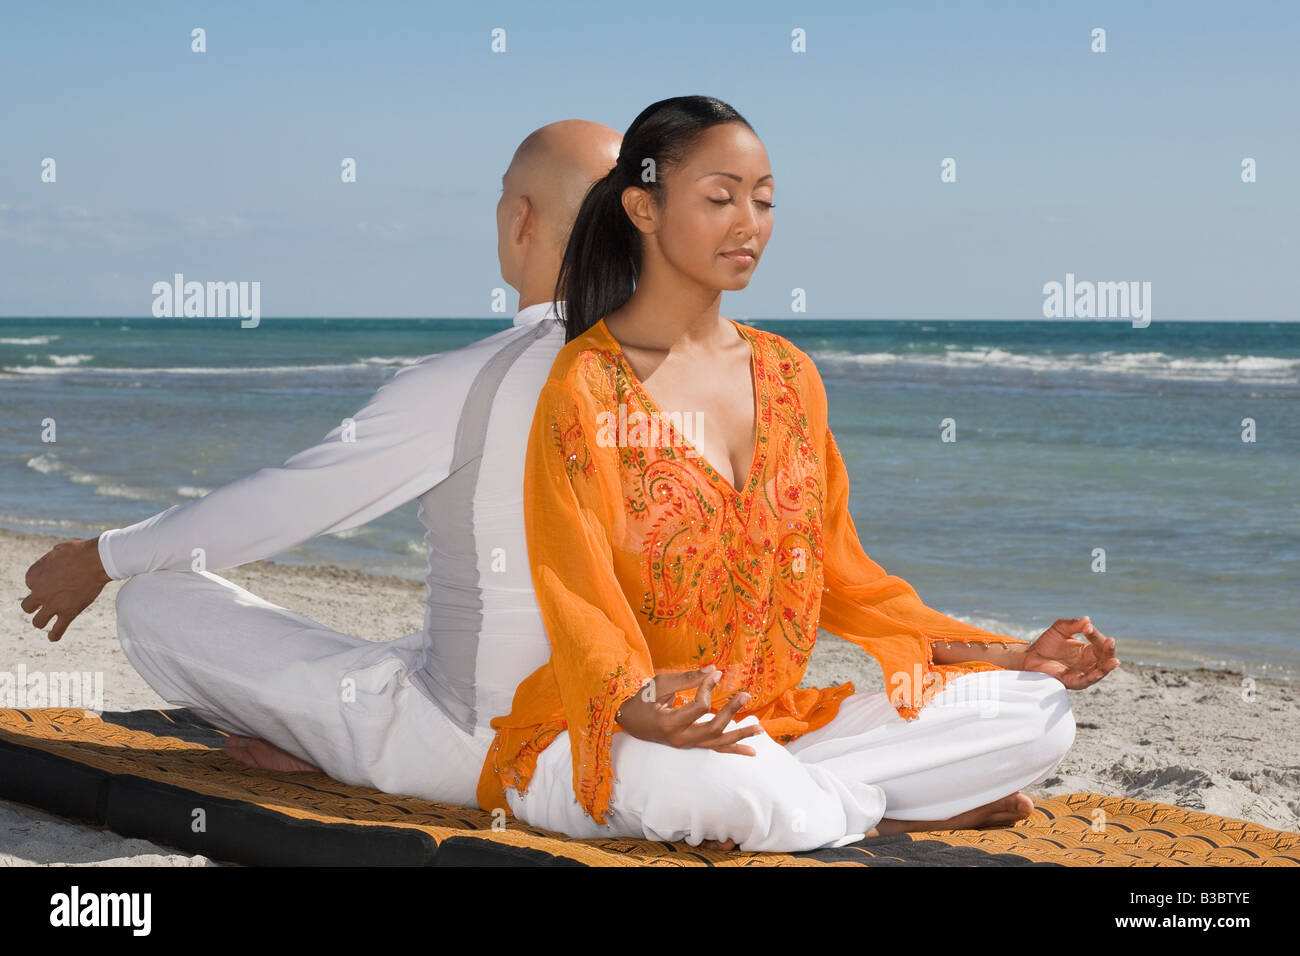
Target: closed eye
(726,202)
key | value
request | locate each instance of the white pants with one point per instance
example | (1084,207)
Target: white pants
(346,705)
(985,736)
(342,703)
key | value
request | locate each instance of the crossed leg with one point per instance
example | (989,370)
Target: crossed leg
(315,696)
(961,763)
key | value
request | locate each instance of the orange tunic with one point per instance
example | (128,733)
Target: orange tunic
(645,560)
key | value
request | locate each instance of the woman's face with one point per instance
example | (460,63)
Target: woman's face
(718,201)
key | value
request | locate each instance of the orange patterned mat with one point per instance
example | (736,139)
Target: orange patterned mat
(161,775)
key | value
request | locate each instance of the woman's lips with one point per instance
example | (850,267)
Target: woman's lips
(743,258)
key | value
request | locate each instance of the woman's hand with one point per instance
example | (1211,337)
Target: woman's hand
(650,715)
(1076,664)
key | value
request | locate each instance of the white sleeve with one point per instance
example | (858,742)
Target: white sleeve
(394,449)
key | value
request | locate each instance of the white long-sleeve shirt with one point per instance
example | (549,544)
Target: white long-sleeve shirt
(450,429)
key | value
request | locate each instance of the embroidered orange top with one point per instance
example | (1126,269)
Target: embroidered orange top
(645,560)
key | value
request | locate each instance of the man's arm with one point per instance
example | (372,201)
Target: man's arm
(391,451)
(396,448)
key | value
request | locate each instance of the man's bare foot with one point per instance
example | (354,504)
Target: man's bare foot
(263,754)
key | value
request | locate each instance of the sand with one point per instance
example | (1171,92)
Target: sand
(1193,738)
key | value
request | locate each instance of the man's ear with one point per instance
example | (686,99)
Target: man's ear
(523,220)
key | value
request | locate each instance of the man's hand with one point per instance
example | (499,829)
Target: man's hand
(1076,664)
(650,715)
(63,583)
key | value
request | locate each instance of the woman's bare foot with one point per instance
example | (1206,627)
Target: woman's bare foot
(1003,812)
(717,844)
(263,754)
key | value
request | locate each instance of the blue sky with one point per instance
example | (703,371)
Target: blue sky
(1121,166)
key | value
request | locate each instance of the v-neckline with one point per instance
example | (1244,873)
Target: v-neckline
(760,432)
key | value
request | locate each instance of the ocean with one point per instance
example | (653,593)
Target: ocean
(1075,441)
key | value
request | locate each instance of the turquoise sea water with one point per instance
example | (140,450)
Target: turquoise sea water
(1072,436)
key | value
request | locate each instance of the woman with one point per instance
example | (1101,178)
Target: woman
(683,560)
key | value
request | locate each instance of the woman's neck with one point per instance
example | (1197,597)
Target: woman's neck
(664,320)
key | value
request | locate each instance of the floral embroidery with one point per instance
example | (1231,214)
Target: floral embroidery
(514,770)
(593,778)
(715,561)
(710,573)
(571,444)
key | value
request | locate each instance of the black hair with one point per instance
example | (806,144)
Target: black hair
(602,259)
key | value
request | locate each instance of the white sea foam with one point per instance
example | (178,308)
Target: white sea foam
(34,340)
(17,522)
(115,490)
(48,463)
(45,464)
(190,370)
(391,360)
(1258,369)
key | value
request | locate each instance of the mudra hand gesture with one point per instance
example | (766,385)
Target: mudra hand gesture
(1076,664)
(649,714)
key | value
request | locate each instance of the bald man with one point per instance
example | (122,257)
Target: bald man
(410,716)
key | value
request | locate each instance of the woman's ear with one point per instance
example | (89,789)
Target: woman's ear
(640,208)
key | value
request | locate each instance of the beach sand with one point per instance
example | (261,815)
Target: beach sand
(1192,738)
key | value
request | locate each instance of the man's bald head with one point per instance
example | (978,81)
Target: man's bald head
(542,190)
(555,166)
